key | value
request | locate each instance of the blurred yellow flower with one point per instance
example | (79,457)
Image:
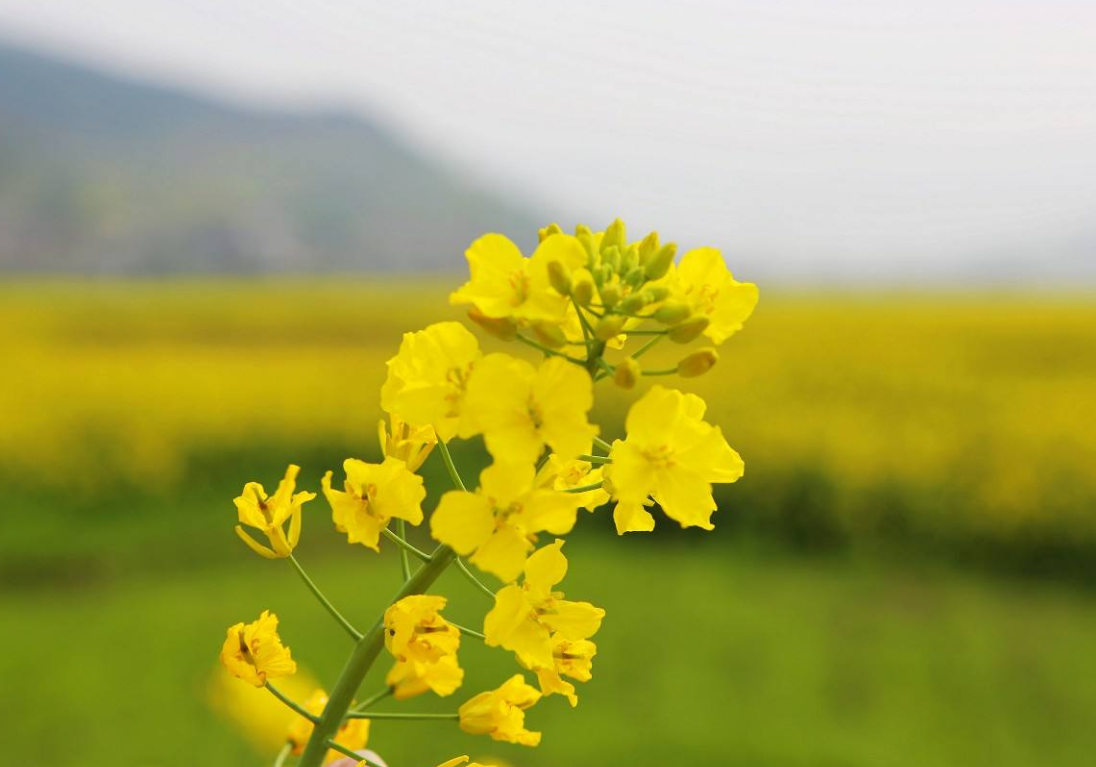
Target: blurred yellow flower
(254,652)
(559,474)
(459,760)
(427,377)
(353,734)
(500,713)
(673,455)
(425,647)
(519,408)
(526,619)
(704,283)
(374,495)
(506,284)
(410,444)
(268,514)
(499,521)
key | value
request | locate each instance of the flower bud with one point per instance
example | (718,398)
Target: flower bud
(656,293)
(633,303)
(558,277)
(635,277)
(698,363)
(609,327)
(550,334)
(629,259)
(658,264)
(627,373)
(581,230)
(548,231)
(689,329)
(648,247)
(582,291)
(615,236)
(610,257)
(501,327)
(672,312)
(610,295)
(593,257)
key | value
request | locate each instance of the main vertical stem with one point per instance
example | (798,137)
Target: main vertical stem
(361,660)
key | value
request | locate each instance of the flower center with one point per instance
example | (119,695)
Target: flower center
(659,456)
(519,287)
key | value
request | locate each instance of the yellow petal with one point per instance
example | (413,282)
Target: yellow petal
(503,553)
(462,521)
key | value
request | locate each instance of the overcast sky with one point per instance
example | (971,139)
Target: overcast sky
(870,137)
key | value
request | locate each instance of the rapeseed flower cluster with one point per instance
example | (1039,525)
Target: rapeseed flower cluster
(581,300)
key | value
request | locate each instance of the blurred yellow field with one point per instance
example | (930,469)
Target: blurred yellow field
(987,398)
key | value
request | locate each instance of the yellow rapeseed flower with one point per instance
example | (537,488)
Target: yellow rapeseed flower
(704,283)
(506,284)
(559,474)
(500,521)
(268,514)
(500,713)
(672,455)
(374,494)
(410,444)
(573,659)
(519,408)
(424,645)
(353,734)
(532,620)
(254,652)
(426,379)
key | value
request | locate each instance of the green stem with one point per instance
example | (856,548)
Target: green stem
(583,488)
(647,346)
(293,705)
(353,632)
(664,372)
(341,749)
(405,548)
(374,699)
(405,557)
(602,444)
(364,654)
(279,760)
(453,474)
(548,350)
(471,576)
(466,630)
(595,458)
(645,332)
(399,716)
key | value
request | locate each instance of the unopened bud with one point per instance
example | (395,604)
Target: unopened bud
(559,278)
(689,329)
(635,277)
(581,230)
(627,373)
(609,327)
(582,292)
(610,257)
(610,295)
(629,259)
(648,247)
(500,327)
(615,236)
(672,312)
(550,334)
(633,303)
(658,264)
(548,231)
(656,293)
(593,256)
(698,363)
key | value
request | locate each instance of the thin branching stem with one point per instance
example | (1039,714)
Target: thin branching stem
(405,548)
(471,576)
(399,716)
(468,631)
(548,350)
(583,488)
(343,750)
(405,556)
(353,632)
(373,699)
(279,760)
(292,704)
(646,347)
(453,473)
(595,458)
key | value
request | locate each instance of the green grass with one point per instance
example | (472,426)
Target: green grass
(710,655)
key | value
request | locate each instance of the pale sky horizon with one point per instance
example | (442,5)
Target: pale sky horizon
(866,139)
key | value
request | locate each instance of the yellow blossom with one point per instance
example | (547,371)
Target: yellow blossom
(672,455)
(559,474)
(506,284)
(374,494)
(519,408)
(268,514)
(427,377)
(254,652)
(532,620)
(500,521)
(573,659)
(500,713)
(424,645)
(459,760)
(410,444)
(703,281)
(353,734)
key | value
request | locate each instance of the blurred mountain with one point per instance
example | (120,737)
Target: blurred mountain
(105,175)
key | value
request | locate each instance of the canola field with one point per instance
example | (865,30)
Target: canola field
(955,418)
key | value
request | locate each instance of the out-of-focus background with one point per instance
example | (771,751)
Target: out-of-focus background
(217,218)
